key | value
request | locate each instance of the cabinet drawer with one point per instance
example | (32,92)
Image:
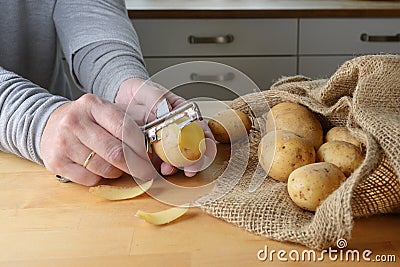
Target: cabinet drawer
(215,37)
(263,71)
(320,67)
(343,36)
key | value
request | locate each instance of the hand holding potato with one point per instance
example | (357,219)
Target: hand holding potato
(140,100)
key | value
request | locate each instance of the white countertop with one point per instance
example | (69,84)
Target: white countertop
(257,5)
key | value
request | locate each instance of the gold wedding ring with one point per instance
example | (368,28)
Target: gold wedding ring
(88,159)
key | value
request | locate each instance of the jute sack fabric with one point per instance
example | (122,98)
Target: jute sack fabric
(364,95)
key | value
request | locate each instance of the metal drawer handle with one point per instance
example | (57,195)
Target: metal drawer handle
(223,39)
(213,78)
(380,38)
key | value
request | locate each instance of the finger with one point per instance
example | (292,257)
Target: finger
(97,165)
(80,175)
(149,95)
(108,143)
(119,154)
(190,174)
(156,161)
(134,137)
(168,169)
(110,118)
(138,167)
(174,99)
(106,114)
(191,170)
(211,148)
(207,131)
(122,126)
(104,144)
(140,114)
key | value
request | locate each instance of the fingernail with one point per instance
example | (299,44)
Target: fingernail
(190,174)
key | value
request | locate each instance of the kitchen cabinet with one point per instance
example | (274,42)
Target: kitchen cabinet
(262,49)
(220,81)
(321,67)
(324,44)
(348,36)
(216,37)
(270,38)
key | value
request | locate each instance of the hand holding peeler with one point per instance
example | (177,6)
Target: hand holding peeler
(190,111)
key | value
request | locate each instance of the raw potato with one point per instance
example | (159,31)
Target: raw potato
(295,118)
(162,217)
(281,152)
(341,134)
(180,147)
(118,192)
(344,155)
(309,185)
(229,125)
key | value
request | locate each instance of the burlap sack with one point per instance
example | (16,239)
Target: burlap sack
(364,95)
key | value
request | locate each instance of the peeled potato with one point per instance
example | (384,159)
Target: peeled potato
(229,125)
(295,118)
(118,192)
(341,134)
(162,217)
(344,155)
(180,147)
(309,185)
(281,152)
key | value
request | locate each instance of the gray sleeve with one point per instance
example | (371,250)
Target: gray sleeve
(24,111)
(99,43)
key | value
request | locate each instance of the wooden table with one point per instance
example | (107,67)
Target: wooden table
(47,223)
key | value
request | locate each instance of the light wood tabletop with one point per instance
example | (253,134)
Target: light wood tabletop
(47,223)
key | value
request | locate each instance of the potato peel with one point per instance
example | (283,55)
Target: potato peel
(119,192)
(162,217)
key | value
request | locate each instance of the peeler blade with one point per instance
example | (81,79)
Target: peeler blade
(163,108)
(190,111)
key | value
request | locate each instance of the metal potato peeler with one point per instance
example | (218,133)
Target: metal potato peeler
(190,111)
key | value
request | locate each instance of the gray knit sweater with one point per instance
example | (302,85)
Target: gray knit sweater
(94,36)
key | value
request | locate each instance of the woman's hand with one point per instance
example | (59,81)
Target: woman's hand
(140,99)
(89,124)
